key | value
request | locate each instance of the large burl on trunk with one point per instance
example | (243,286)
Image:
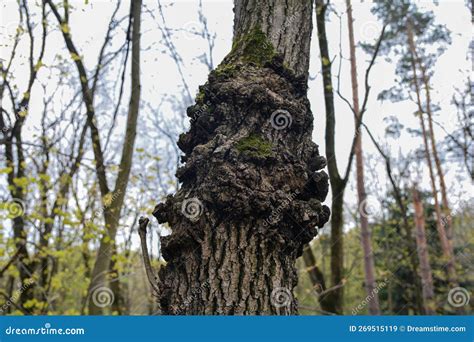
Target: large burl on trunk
(251,187)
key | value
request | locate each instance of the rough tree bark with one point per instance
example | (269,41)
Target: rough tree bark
(365,236)
(423,256)
(251,190)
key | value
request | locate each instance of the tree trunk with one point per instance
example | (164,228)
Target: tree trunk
(251,194)
(423,256)
(112,210)
(338,184)
(445,243)
(316,277)
(117,305)
(411,245)
(365,236)
(24,263)
(447,218)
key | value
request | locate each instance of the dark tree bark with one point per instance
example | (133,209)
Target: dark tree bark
(251,190)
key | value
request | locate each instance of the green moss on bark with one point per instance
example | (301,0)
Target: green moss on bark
(254,47)
(225,70)
(200,96)
(255,146)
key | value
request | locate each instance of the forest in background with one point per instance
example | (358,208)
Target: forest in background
(89,144)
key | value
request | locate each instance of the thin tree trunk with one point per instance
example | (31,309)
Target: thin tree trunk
(338,182)
(335,297)
(316,277)
(10,287)
(251,194)
(445,243)
(423,256)
(369,265)
(25,264)
(411,245)
(447,219)
(117,304)
(42,255)
(112,211)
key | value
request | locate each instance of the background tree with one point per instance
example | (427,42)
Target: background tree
(365,235)
(112,200)
(422,247)
(334,298)
(407,22)
(12,126)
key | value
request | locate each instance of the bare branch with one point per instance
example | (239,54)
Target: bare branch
(152,278)
(359,116)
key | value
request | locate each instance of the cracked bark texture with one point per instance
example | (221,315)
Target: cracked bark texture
(251,182)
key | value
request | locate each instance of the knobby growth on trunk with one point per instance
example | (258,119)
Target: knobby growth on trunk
(251,187)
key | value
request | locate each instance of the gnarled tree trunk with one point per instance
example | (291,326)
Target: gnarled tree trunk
(251,190)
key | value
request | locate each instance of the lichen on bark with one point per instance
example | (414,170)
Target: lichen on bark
(241,167)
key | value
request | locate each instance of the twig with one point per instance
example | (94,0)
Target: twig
(332,288)
(9,300)
(152,278)
(359,116)
(316,309)
(13,258)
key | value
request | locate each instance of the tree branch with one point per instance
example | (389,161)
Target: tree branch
(152,278)
(359,116)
